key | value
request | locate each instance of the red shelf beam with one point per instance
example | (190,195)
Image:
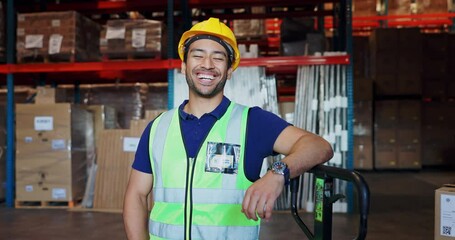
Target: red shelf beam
(161,5)
(162,64)
(410,20)
(294,61)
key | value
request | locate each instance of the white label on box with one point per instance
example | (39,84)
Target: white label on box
(55,23)
(55,43)
(44,123)
(58,193)
(20,18)
(130,144)
(447,215)
(29,188)
(138,37)
(34,41)
(58,144)
(115,33)
(20,32)
(28,139)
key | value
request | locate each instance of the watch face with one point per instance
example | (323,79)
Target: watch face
(279,167)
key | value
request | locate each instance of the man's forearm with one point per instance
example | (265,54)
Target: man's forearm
(307,152)
(135,218)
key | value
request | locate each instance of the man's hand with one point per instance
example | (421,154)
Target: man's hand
(261,196)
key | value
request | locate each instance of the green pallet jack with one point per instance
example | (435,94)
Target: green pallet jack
(324,199)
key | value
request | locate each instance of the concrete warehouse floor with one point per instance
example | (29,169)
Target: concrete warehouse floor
(402,207)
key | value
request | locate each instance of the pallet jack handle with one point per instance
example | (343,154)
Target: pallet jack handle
(328,172)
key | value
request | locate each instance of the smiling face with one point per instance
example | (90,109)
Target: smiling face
(206,68)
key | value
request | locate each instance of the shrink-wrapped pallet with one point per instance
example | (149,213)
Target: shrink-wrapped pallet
(132,39)
(51,153)
(56,37)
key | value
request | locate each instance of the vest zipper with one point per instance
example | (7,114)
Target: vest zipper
(191,162)
(189,197)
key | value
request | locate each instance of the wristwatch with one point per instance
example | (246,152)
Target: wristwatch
(282,169)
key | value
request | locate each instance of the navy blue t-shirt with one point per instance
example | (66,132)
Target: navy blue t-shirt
(263,128)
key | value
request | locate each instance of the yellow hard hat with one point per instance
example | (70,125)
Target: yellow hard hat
(207,28)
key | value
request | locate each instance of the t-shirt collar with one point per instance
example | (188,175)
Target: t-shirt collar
(218,112)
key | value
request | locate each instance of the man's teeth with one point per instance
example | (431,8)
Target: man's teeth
(206,76)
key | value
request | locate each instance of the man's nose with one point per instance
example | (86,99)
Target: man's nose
(207,63)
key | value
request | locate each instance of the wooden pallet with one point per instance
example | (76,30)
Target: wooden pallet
(47,204)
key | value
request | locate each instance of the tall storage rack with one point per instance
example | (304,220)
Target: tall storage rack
(344,29)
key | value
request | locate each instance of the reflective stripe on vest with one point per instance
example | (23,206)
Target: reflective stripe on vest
(185,194)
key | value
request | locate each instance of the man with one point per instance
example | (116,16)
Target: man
(201,161)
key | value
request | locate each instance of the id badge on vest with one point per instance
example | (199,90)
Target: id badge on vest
(222,158)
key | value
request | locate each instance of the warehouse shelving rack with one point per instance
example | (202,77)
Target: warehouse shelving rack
(10,69)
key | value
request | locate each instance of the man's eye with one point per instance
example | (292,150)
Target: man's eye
(197,56)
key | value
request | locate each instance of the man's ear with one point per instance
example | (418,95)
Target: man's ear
(183,68)
(229,73)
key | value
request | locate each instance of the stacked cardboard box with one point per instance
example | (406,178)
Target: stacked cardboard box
(138,38)
(435,72)
(397,134)
(363,135)
(249,28)
(433,6)
(127,100)
(399,7)
(115,156)
(438,133)
(56,36)
(51,152)
(364,7)
(396,61)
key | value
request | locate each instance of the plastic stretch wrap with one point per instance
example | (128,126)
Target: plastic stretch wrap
(51,151)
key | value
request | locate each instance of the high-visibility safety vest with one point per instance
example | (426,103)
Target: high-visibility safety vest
(189,201)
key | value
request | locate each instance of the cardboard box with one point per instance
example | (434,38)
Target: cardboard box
(363,118)
(363,152)
(438,145)
(410,84)
(45,95)
(407,46)
(133,38)
(435,46)
(386,113)
(434,88)
(385,84)
(115,156)
(51,151)
(56,37)
(363,89)
(433,6)
(249,28)
(364,7)
(384,39)
(384,62)
(444,217)
(361,56)
(386,149)
(410,114)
